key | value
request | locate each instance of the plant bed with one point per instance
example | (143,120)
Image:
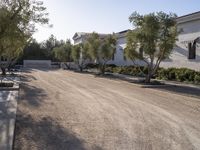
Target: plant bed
(6,84)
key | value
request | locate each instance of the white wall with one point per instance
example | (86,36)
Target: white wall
(37,63)
(119,54)
(179,57)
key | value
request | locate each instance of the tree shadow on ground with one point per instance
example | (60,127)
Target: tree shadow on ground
(30,70)
(45,134)
(27,78)
(183,90)
(112,77)
(178,89)
(29,94)
(7,117)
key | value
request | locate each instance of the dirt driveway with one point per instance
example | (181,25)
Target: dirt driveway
(62,110)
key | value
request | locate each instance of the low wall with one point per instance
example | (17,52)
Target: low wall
(37,63)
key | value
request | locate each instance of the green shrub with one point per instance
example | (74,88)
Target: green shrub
(176,74)
(109,69)
(171,73)
(184,74)
(91,66)
(117,69)
(197,78)
(111,65)
(162,74)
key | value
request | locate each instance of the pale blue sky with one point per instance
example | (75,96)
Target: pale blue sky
(103,16)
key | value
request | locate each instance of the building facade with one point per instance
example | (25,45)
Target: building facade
(187,50)
(185,54)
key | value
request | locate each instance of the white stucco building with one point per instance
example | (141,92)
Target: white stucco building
(187,50)
(185,54)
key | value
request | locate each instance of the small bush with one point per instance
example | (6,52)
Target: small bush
(171,74)
(91,66)
(111,65)
(175,74)
(179,74)
(197,78)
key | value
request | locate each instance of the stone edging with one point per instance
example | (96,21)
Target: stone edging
(15,81)
(14,88)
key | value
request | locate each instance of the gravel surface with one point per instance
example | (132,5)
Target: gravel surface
(63,110)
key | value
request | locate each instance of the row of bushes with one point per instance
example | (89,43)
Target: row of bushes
(127,70)
(174,74)
(179,74)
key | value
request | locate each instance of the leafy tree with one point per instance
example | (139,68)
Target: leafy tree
(152,40)
(80,55)
(101,50)
(34,51)
(12,52)
(50,44)
(17,23)
(93,41)
(63,53)
(106,51)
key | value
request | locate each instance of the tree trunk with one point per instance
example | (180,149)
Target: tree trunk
(3,71)
(148,78)
(102,69)
(81,68)
(149,75)
(68,66)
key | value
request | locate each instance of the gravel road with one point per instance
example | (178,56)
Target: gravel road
(63,110)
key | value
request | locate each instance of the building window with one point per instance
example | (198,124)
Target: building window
(192,50)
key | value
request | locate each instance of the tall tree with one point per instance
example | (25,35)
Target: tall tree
(93,41)
(63,53)
(106,51)
(80,55)
(17,21)
(50,44)
(102,49)
(34,51)
(152,40)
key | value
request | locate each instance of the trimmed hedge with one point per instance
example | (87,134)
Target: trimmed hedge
(179,74)
(173,74)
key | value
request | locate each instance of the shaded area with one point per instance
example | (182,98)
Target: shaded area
(45,134)
(91,111)
(41,132)
(28,91)
(188,91)
(178,89)
(31,92)
(8,106)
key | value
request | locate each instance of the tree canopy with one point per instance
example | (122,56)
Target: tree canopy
(152,40)
(102,49)
(17,24)
(63,52)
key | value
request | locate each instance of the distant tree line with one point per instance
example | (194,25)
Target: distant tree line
(94,50)
(43,50)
